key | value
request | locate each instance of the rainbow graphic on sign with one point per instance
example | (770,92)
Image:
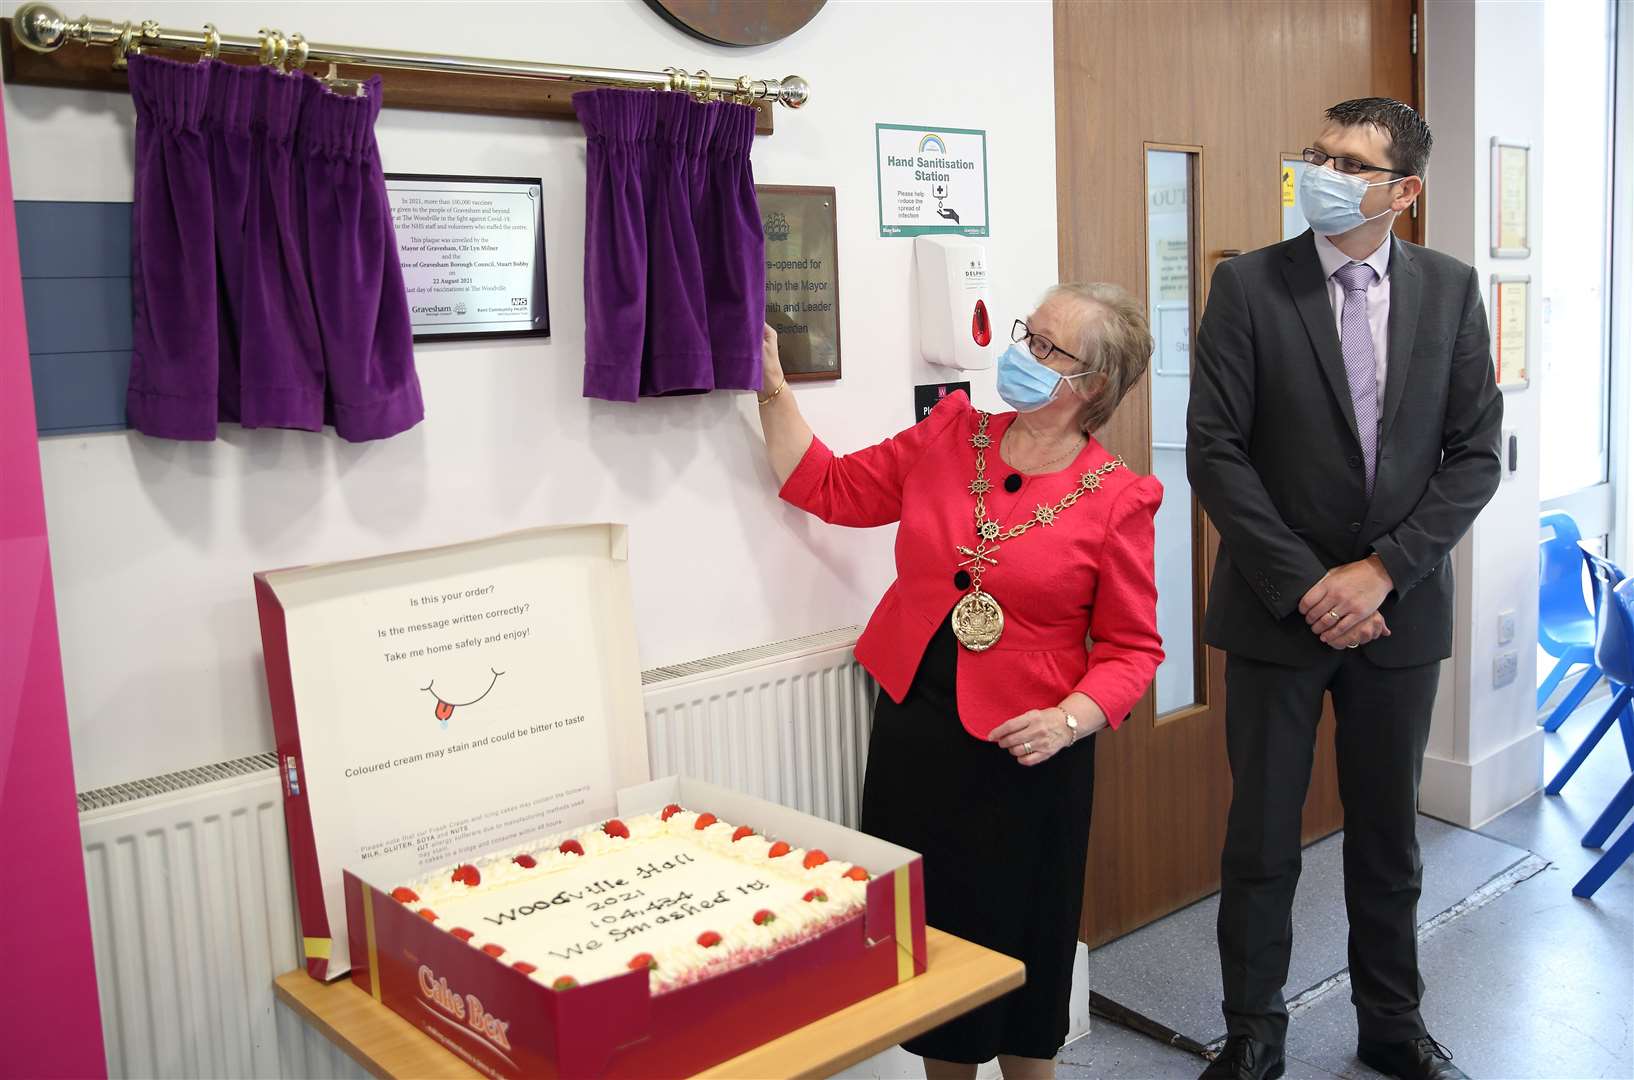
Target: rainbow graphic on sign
(932,142)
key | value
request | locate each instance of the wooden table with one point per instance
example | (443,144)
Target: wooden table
(959,977)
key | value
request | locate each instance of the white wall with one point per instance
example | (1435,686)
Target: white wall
(1485,79)
(154,542)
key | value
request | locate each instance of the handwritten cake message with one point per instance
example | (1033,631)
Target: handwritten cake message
(646,899)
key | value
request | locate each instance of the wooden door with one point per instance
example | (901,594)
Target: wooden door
(1214,95)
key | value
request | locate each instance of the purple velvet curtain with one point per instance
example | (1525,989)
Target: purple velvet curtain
(266,283)
(674,258)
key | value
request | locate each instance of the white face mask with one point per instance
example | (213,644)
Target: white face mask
(1332,201)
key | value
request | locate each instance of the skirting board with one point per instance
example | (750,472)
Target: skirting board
(1472,793)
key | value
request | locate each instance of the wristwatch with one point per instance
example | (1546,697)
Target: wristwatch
(1072,725)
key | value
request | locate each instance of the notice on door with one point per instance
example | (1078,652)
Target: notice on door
(931,180)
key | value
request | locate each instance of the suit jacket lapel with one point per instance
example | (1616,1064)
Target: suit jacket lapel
(1404,303)
(1303,273)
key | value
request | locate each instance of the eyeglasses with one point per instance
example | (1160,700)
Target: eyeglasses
(1040,346)
(1349,165)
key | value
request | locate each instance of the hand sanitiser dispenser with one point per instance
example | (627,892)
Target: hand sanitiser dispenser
(955,317)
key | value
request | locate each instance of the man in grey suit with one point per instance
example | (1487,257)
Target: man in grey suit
(1343,435)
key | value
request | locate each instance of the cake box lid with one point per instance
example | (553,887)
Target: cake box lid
(439,703)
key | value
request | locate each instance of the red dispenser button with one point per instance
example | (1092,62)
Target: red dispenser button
(980,328)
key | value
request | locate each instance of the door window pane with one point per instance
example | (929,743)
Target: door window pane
(1170,289)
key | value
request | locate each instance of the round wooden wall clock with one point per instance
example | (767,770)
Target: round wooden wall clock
(738,22)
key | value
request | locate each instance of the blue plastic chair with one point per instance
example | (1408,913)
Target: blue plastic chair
(1565,624)
(1618,853)
(1616,655)
(1605,576)
(1613,655)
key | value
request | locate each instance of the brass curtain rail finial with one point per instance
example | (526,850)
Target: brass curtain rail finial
(43,29)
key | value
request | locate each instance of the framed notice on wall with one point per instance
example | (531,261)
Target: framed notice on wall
(1511,295)
(931,180)
(802,278)
(473,254)
(1510,199)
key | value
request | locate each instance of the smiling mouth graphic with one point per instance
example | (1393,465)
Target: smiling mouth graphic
(445,709)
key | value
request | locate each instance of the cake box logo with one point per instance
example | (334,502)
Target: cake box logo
(466,1009)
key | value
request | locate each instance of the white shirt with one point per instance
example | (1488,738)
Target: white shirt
(1378,299)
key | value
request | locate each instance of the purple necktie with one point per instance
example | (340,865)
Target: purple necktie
(1361,369)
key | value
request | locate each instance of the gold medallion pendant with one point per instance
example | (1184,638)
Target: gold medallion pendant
(977,618)
(978,621)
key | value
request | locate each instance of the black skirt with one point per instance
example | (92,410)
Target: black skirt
(1004,848)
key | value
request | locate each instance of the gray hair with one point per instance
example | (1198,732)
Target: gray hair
(1115,341)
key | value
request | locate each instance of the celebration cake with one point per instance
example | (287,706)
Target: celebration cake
(680,894)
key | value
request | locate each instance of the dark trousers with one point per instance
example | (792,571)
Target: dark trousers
(1383,724)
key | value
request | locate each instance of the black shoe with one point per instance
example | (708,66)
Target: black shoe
(1244,1059)
(1416,1059)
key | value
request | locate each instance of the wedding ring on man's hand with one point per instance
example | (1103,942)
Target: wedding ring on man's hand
(1026,747)
(1334,615)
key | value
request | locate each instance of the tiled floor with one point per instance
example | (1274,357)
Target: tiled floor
(1535,983)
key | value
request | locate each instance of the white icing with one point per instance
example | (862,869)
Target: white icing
(586,917)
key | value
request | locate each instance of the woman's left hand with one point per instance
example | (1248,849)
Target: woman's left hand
(1035,736)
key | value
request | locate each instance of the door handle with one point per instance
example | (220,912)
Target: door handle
(1230,253)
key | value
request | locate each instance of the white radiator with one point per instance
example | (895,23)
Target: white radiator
(192,903)
(787,723)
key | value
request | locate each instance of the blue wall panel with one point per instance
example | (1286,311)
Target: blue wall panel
(74,239)
(76,296)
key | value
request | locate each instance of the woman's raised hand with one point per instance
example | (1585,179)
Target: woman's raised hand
(771,367)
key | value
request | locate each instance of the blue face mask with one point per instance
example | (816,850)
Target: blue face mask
(1025,383)
(1332,201)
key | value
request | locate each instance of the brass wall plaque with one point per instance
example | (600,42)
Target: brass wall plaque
(802,278)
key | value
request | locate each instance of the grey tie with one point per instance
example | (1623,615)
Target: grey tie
(1361,369)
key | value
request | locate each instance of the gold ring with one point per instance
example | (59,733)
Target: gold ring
(1334,615)
(1027,747)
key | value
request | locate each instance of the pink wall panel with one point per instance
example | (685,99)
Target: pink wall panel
(48,993)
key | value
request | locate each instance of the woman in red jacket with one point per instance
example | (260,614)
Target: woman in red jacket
(1020,539)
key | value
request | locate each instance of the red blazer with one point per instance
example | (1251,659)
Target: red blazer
(1088,576)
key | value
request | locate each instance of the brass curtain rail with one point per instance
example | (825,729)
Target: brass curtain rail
(42,29)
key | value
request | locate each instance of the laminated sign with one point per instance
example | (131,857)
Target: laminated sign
(931,180)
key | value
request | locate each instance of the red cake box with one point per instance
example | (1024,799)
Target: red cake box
(513,1018)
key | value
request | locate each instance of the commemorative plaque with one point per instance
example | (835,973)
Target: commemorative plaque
(473,254)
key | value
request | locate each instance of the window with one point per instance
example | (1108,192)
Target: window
(1575,215)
